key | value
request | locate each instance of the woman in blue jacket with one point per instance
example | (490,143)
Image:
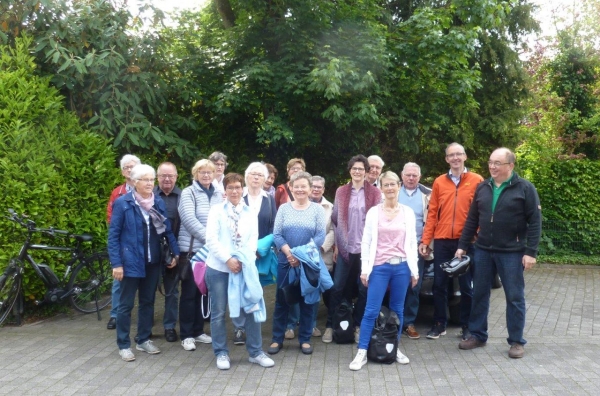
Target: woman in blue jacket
(139,220)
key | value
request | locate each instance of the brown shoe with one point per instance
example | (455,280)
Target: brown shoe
(516,351)
(411,332)
(470,343)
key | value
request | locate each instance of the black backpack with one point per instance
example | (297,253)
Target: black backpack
(343,329)
(384,339)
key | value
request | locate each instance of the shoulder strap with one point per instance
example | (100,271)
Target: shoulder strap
(191,248)
(289,192)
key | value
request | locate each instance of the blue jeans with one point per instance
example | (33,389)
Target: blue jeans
(444,250)
(115,297)
(146,289)
(397,277)
(510,270)
(217,283)
(293,317)
(411,303)
(345,278)
(280,316)
(171,299)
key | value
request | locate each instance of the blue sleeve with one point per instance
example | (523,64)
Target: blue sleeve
(278,229)
(320,226)
(114,233)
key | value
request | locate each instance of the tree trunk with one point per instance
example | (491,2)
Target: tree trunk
(224,9)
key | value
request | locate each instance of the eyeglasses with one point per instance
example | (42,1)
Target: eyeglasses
(388,185)
(357,169)
(128,167)
(374,167)
(411,175)
(167,176)
(296,169)
(219,164)
(234,188)
(496,164)
(205,173)
(256,174)
(317,187)
(454,155)
(147,181)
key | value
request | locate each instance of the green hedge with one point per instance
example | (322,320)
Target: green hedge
(570,201)
(58,173)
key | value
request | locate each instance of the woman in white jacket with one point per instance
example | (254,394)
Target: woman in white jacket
(389,258)
(231,238)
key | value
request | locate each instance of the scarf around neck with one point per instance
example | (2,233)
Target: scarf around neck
(147,204)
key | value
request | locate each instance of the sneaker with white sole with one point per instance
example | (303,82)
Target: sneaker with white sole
(401,358)
(127,355)
(328,335)
(359,361)
(262,360)
(223,362)
(189,344)
(204,338)
(148,347)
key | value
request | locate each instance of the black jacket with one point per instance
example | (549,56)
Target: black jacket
(515,225)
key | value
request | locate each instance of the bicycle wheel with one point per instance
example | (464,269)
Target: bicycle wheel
(10,286)
(91,282)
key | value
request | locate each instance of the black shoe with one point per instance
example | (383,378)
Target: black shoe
(239,337)
(308,350)
(274,349)
(112,324)
(436,331)
(465,333)
(171,335)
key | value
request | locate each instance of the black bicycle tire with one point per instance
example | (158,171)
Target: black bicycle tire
(7,304)
(98,279)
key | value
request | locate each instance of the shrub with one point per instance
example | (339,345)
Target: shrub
(58,173)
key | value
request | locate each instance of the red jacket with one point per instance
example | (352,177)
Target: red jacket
(116,193)
(449,206)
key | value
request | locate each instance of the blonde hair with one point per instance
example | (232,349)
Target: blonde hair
(203,163)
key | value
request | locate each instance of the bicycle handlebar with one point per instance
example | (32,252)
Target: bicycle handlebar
(30,225)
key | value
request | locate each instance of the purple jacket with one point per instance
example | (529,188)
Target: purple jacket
(339,216)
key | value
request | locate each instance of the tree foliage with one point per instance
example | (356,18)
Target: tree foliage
(54,170)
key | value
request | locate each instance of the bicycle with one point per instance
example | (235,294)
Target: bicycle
(88,288)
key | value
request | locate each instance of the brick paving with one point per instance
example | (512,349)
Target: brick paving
(75,354)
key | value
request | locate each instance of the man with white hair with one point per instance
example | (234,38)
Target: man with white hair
(126,164)
(375,166)
(416,196)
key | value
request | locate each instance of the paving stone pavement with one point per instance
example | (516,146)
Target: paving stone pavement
(75,354)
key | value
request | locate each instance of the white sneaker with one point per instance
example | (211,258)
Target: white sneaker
(359,361)
(148,347)
(400,358)
(223,362)
(189,344)
(127,355)
(204,338)
(263,360)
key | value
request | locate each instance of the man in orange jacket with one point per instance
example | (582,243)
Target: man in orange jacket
(451,198)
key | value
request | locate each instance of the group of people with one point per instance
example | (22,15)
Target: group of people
(373,240)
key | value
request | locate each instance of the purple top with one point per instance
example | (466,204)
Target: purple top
(356,219)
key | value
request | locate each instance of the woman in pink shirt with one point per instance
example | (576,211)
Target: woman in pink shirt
(389,258)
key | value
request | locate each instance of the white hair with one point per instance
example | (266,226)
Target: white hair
(141,170)
(411,165)
(376,158)
(260,167)
(127,158)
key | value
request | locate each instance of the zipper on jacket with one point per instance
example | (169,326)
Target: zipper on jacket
(454,210)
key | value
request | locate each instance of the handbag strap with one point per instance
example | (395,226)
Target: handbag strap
(205,315)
